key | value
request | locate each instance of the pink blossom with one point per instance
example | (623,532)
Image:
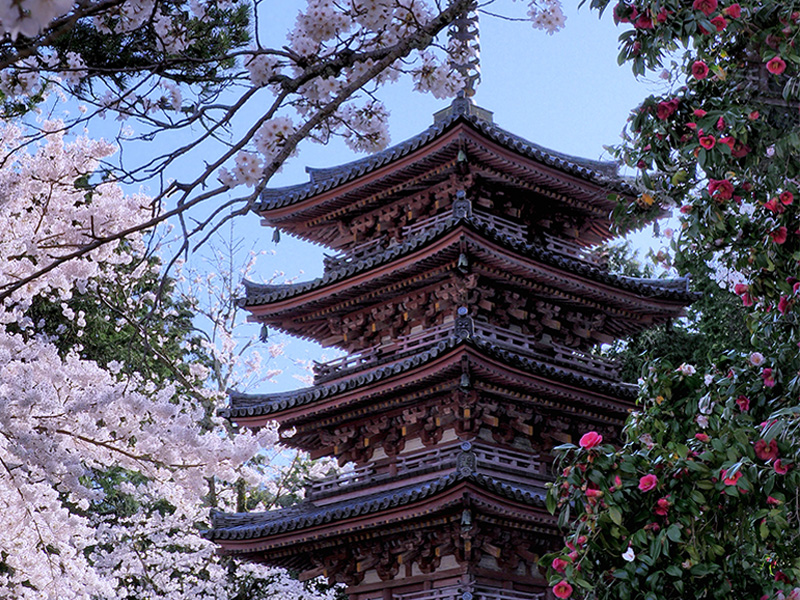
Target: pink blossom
(562,590)
(743,403)
(780,467)
(648,482)
(776,65)
(734,11)
(779,235)
(590,440)
(768,377)
(699,70)
(662,506)
(559,564)
(732,479)
(703,437)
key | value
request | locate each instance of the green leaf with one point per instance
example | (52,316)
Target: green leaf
(615,515)
(674,532)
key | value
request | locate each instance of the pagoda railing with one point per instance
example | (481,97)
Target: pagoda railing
(353,254)
(573,251)
(498,224)
(432,460)
(467,592)
(552,353)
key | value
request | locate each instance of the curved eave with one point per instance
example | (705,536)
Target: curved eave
(339,188)
(279,305)
(369,386)
(243,533)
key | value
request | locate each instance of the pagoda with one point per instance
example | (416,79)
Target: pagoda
(462,285)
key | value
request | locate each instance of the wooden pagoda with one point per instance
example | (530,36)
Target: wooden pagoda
(464,291)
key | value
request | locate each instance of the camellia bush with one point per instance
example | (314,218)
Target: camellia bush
(701,499)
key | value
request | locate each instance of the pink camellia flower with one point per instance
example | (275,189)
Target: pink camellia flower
(743,402)
(559,564)
(699,113)
(757,359)
(720,189)
(590,440)
(662,506)
(753,116)
(783,305)
(562,590)
(773,501)
(703,437)
(780,467)
(740,289)
(786,197)
(618,481)
(779,235)
(719,22)
(648,482)
(734,11)
(768,377)
(766,451)
(699,70)
(705,6)
(776,65)
(707,141)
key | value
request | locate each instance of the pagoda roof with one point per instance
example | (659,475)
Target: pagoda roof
(668,289)
(253,526)
(311,210)
(324,179)
(244,406)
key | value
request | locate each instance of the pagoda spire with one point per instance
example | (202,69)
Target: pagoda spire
(465,44)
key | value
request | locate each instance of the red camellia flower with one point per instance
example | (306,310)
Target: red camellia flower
(739,150)
(703,437)
(562,590)
(705,6)
(643,22)
(734,11)
(780,467)
(773,206)
(720,189)
(699,112)
(699,70)
(667,108)
(559,564)
(776,65)
(779,235)
(773,501)
(648,482)
(766,451)
(590,440)
(783,305)
(707,141)
(719,22)
(662,507)
(786,197)
(732,479)
(743,402)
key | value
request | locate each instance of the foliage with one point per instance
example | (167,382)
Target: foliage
(701,500)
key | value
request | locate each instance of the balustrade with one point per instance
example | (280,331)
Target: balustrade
(552,353)
(464,592)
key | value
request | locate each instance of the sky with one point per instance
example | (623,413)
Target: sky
(563,91)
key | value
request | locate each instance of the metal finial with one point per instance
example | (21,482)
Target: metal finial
(465,48)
